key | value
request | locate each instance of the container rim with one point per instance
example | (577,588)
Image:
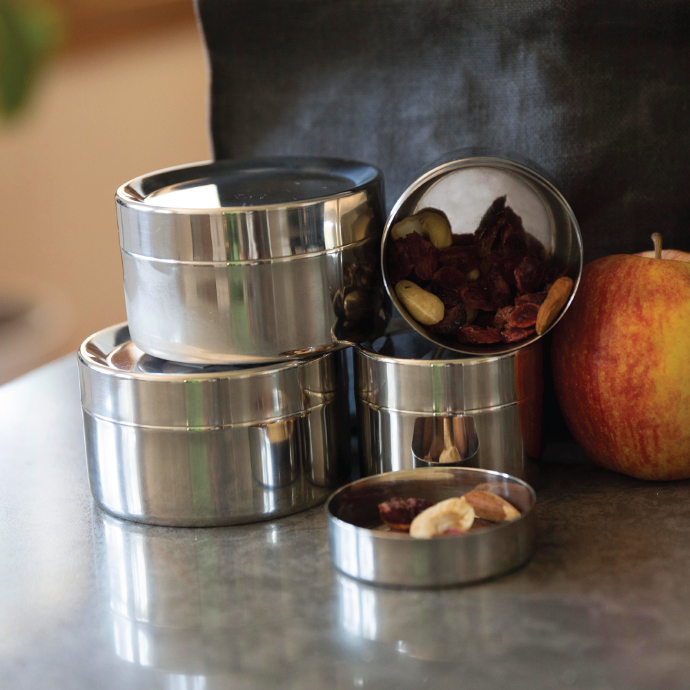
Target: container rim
(376,534)
(131,194)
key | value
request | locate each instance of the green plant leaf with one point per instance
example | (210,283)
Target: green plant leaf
(29,34)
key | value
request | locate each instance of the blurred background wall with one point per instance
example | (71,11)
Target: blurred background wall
(125,95)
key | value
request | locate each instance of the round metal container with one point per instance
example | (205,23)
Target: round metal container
(414,401)
(185,445)
(363,551)
(246,261)
(463,186)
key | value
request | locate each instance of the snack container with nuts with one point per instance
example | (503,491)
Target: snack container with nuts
(473,251)
(363,549)
(192,446)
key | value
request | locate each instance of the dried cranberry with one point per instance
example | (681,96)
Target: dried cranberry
(529,275)
(501,294)
(423,254)
(515,335)
(453,318)
(523,316)
(398,513)
(502,316)
(532,298)
(399,263)
(478,335)
(463,258)
(478,295)
(449,276)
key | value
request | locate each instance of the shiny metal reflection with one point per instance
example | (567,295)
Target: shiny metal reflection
(444,441)
(275,450)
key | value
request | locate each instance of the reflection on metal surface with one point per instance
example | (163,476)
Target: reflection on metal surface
(410,395)
(256,280)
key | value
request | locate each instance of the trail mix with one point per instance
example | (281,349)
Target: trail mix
(424,519)
(485,287)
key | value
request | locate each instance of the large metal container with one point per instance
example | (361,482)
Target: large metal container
(416,402)
(246,261)
(463,185)
(175,444)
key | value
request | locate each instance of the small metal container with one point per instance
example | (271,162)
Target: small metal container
(246,261)
(186,445)
(360,549)
(463,185)
(419,406)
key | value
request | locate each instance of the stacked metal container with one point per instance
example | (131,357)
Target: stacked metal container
(224,398)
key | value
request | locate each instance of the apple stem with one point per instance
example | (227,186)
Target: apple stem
(656,238)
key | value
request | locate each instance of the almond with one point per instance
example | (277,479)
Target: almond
(554,302)
(488,506)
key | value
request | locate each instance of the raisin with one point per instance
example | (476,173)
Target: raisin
(489,226)
(502,316)
(449,296)
(486,320)
(423,254)
(501,294)
(523,316)
(515,335)
(529,275)
(463,258)
(398,513)
(477,334)
(478,295)
(453,318)
(449,276)
(465,240)
(532,298)
(399,263)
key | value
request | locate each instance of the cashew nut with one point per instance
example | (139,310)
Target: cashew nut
(422,305)
(429,224)
(453,514)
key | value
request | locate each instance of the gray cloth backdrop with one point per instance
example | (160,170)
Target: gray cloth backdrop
(596,93)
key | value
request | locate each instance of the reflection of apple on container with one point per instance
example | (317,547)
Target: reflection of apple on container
(621,363)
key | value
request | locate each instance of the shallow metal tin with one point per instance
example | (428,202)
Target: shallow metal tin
(186,445)
(412,397)
(361,550)
(247,261)
(463,186)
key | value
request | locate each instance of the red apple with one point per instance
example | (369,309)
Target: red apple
(621,364)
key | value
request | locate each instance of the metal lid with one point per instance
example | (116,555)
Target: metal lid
(122,384)
(403,371)
(255,210)
(463,185)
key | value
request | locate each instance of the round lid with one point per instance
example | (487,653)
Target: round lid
(486,194)
(257,209)
(121,383)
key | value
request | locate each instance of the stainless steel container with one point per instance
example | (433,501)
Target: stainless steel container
(175,444)
(363,551)
(463,186)
(417,406)
(247,261)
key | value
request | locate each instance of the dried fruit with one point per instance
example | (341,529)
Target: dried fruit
(489,506)
(463,258)
(516,335)
(501,295)
(423,255)
(398,513)
(432,225)
(465,240)
(399,262)
(478,296)
(448,276)
(529,275)
(453,318)
(523,316)
(478,335)
(422,305)
(487,232)
(532,298)
(554,302)
(502,316)
(454,515)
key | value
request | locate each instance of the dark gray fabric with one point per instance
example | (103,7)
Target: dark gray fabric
(597,93)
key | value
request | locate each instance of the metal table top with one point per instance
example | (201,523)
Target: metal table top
(87,601)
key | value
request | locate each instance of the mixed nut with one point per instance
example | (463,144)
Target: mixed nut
(424,519)
(490,286)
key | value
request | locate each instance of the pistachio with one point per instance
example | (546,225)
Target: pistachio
(489,506)
(422,305)
(431,225)
(450,516)
(473,275)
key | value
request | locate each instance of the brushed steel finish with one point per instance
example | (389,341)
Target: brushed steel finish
(497,401)
(361,551)
(173,444)
(286,261)
(560,235)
